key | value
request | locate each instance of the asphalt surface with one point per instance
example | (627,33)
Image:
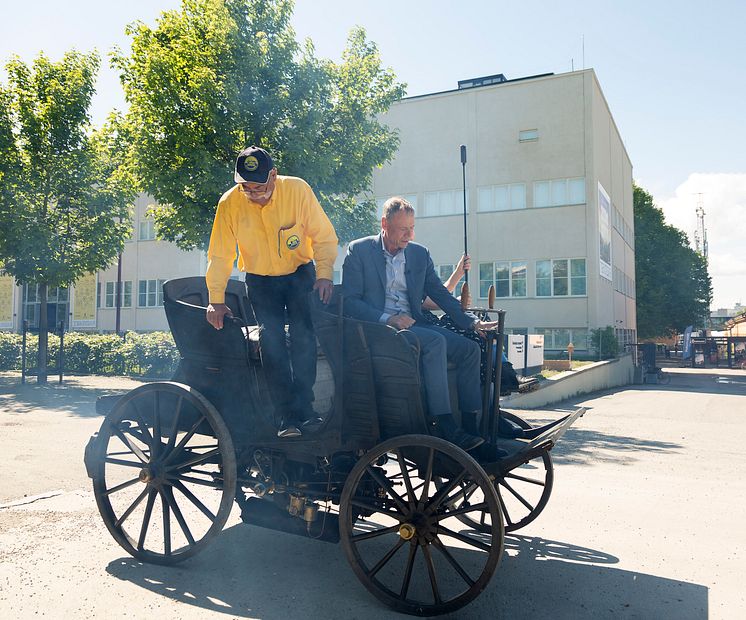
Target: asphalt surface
(646,520)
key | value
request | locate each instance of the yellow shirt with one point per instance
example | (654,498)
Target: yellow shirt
(274,240)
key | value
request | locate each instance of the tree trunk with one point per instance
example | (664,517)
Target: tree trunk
(41,377)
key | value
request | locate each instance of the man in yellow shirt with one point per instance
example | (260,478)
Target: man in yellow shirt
(280,229)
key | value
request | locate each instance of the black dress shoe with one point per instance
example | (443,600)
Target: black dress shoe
(456,436)
(508,428)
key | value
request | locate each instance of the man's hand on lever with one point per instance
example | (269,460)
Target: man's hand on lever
(325,288)
(400,321)
(481,327)
(216,314)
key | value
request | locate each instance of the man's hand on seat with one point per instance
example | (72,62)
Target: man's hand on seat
(325,287)
(483,326)
(400,321)
(216,313)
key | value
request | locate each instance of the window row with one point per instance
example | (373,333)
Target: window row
(624,229)
(623,283)
(149,294)
(565,277)
(557,338)
(507,197)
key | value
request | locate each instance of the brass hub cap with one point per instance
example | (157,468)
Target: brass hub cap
(407,531)
(145,475)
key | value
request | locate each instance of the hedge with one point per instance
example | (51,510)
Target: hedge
(138,355)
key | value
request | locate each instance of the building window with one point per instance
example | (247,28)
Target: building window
(58,304)
(528,135)
(150,293)
(557,338)
(501,197)
(147,230)
(447,202)
(508,278)
(410,198)
(111,297)
(560,277)
(559,192)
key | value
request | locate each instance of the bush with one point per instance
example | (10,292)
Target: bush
(604,342)
(140,355)
(10,351)
(150,355)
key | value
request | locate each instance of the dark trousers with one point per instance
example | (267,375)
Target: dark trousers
(290,378)
(438,346)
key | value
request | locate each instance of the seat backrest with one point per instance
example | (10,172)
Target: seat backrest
(195,338)
(343,342)
(395,360)
(193,290)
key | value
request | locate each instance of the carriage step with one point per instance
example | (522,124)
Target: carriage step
(264,513)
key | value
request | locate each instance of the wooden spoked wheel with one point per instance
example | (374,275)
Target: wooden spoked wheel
(523,492)
(164,472)
(401,532)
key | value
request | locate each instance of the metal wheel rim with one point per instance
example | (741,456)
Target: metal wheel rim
(171,474)
(431,540)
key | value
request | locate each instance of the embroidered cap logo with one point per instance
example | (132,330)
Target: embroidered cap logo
(251,163)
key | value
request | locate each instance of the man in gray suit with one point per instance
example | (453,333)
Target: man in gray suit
(386,278)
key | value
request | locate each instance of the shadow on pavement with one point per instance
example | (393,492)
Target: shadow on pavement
(71,396)
(256,573)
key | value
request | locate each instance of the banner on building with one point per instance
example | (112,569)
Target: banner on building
(604,233)
(7,299)
(84,302)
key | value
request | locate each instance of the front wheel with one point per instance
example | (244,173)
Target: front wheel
(401,532)
(164,472)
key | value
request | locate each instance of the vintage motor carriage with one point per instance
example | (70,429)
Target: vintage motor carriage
(421,521)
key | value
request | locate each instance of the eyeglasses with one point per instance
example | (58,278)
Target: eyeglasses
(255,189)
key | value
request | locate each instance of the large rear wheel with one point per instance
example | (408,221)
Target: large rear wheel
(164,472)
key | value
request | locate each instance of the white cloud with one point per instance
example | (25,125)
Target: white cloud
(723,198)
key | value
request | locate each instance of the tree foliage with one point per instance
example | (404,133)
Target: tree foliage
(673,286)
(219,75)
(61,188)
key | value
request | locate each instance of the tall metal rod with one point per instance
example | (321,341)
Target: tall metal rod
(463,178)
(498,379)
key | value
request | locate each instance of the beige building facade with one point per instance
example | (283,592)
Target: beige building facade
(549,199)
(549,214)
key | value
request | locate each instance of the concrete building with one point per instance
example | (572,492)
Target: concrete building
(550,216)
(549,199)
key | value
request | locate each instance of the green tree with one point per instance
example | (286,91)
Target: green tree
(673,286)
(219,75)
(60,190)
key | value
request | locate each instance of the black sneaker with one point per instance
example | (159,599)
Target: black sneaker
(288,430)
(311,424)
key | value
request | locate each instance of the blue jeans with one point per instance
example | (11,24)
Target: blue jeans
(290,378)
(438,346)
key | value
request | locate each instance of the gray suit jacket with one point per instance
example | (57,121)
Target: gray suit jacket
(364,283)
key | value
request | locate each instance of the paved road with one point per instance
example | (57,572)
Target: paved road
(646,521)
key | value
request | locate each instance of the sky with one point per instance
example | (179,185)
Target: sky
(671,71)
